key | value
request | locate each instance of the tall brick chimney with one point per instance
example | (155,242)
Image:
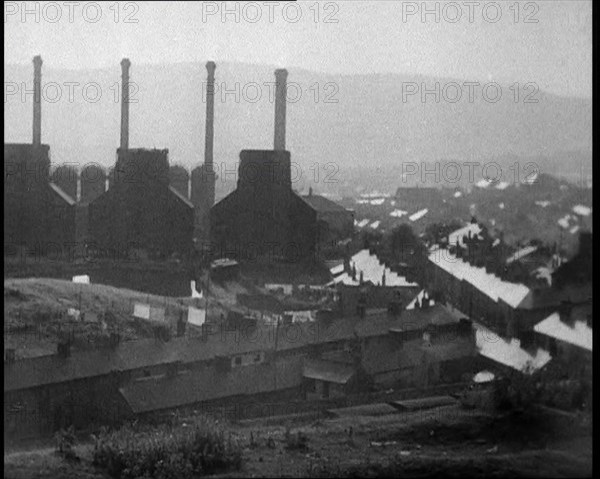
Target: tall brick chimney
(210,130)
(280,104)
(125,64)
(37,100)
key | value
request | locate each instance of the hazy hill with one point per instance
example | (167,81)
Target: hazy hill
(369,125)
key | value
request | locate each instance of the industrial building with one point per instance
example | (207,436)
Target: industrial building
(264,217)
(38,214)
(140,212)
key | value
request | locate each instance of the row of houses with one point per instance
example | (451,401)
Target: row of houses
(508,306)
(323,359)
(520,327)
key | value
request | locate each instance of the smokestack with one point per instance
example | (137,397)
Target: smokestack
(37,100)
(125,64)
(280,103)
(210,131)
(210,114)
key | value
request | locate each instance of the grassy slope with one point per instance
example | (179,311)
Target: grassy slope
(29,302)
(449,441)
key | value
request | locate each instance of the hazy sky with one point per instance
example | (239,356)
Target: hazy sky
(369,37)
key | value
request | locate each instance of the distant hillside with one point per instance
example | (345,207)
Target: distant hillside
(369,125)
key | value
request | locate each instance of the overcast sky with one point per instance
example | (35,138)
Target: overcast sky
(501,44)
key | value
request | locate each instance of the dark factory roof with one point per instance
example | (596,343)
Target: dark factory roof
(322,204)
(131,355)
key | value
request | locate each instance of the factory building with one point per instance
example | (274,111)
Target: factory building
(38,214)
(141,212)
(264,216)
(336,223)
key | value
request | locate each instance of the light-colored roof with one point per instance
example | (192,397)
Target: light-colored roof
(544,273)
(372,270)
(302,316)
(223,263)
(531,179)
(582,210)
(579,335)
(377,202)
(456,237)
(508,352)
(375,224)
(60,192)
(543,204)
(483,183)
(363,223)
(337,269)
(489,284)
(564,221)
(419,296)
(418,215)
(375,194)
(521,254)
(398,213)
(346,279)
(483,377)
(328,371)
(458,194)
(502,185)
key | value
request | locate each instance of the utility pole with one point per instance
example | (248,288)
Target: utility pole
(275,355)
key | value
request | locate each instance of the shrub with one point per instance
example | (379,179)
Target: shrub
(166,452)
(65,440)
(298,441)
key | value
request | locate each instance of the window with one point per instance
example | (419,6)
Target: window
(146,373)
(258,358)
(238,361)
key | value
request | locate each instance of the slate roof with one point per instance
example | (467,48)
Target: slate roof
(209,384)
(131,355)
(328,371)
(321,204)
